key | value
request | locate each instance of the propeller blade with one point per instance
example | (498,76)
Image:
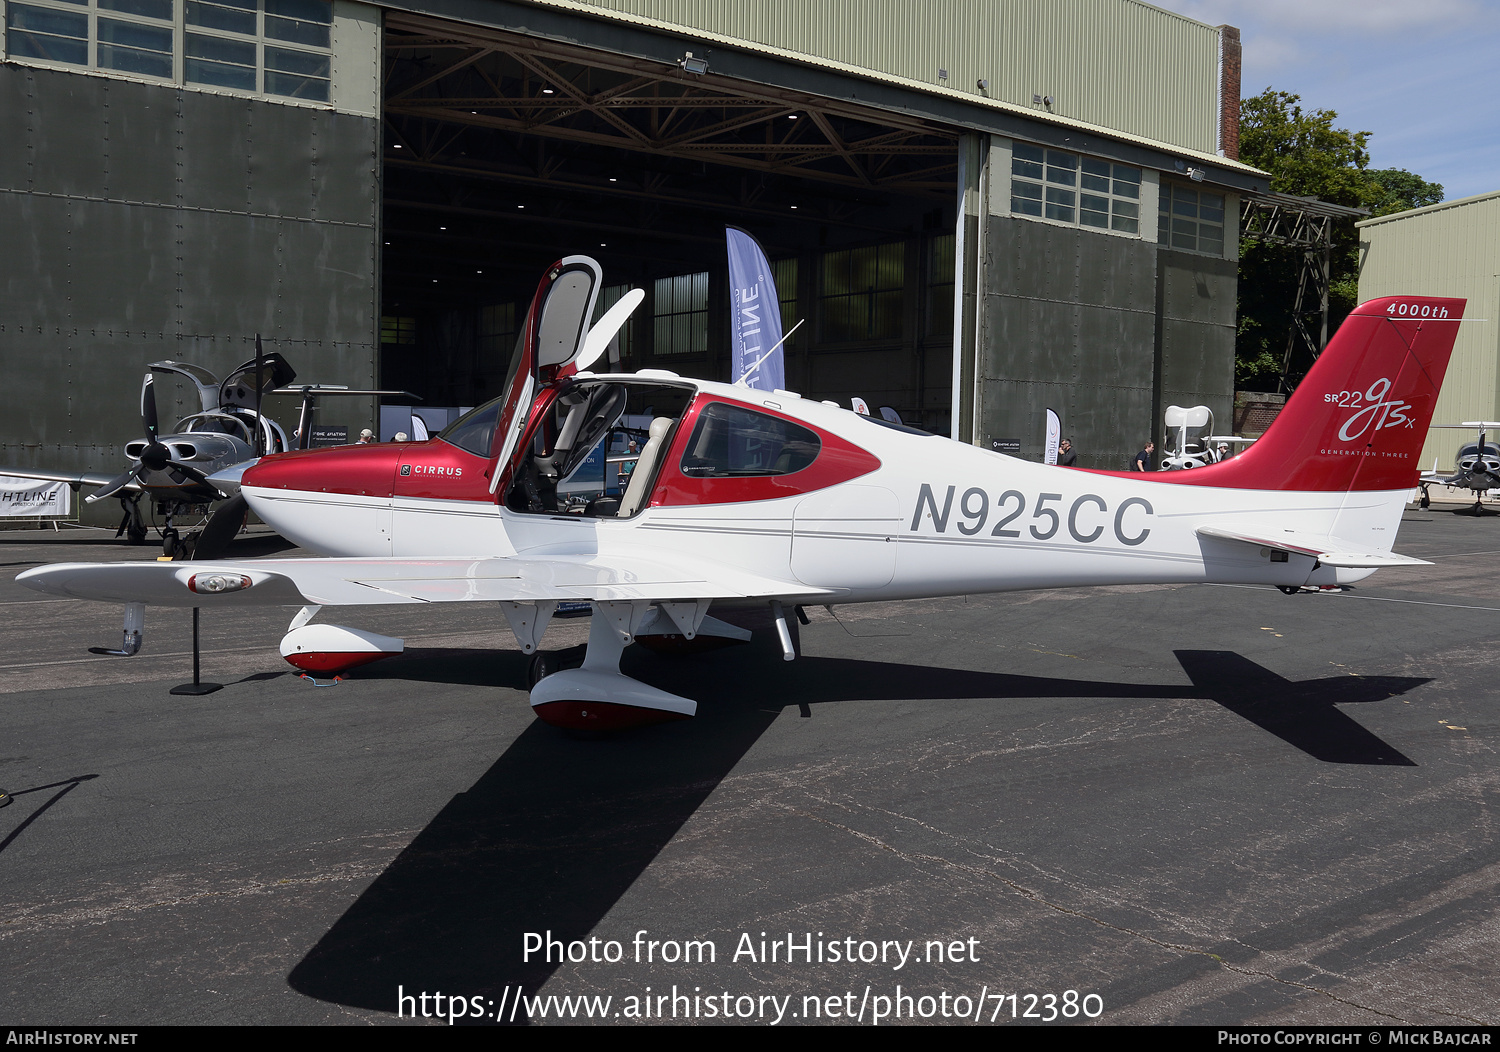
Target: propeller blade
(188,471)
(221,528)
(148,407)
(113,486)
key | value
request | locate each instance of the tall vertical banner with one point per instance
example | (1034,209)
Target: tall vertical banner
(755,315)
(1054,432)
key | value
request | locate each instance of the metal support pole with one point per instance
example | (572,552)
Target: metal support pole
(197,686)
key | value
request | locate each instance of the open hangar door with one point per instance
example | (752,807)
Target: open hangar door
(504,152)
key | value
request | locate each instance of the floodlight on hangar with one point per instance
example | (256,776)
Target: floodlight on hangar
(690,64)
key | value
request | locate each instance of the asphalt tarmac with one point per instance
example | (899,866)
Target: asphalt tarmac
(1199,804)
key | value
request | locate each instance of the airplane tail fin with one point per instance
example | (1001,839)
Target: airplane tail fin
(1357,422)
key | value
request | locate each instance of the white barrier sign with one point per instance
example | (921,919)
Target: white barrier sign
(25,498)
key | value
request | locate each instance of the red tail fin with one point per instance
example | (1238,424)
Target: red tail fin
(1358,421)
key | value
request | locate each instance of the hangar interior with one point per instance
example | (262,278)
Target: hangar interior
(504,152)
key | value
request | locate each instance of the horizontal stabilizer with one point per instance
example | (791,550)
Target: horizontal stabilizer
(1326,550)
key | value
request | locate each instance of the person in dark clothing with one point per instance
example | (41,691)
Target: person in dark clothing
(1067,456)
(1143,459)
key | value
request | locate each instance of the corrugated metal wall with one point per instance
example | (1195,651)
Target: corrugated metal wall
(1069,322)
(1452,249)
(1117,64)
(142,222)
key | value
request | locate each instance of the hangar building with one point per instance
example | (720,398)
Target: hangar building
(1447,249)
(980,210)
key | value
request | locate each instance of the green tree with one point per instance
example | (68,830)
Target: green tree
(1397,190)
(1308,156)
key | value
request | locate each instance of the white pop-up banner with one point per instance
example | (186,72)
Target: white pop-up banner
(26,498)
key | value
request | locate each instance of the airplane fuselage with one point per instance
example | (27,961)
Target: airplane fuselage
(919,515)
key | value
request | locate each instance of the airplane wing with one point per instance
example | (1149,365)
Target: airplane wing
(1435,478)
(368,582)
(84,478)
(1326,550)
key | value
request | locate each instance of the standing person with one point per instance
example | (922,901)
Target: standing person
(366,437)
(1067,456)
(1143,459)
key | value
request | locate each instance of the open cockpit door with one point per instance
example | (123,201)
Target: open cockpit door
(205,381)
(552,337)
(239,387)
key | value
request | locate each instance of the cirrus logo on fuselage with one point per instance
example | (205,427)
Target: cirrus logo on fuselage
(430,469)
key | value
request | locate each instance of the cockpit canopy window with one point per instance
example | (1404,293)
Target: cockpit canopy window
(733,442)
(475,430)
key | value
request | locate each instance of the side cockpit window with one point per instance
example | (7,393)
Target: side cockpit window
(730,441)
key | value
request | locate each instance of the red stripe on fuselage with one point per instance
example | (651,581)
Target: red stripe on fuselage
(434,470)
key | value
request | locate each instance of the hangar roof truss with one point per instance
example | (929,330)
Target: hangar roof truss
(445,80)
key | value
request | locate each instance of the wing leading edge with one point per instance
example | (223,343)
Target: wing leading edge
(373,582)
(83,478)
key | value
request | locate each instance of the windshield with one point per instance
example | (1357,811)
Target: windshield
(475,430)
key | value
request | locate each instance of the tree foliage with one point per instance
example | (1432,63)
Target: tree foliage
(1308,156)
(1400,190)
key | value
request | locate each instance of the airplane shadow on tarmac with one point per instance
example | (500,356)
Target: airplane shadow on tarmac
(558,829)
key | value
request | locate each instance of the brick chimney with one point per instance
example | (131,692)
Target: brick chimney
(1229,92)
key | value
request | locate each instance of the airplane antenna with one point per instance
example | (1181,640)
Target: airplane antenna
(756,364)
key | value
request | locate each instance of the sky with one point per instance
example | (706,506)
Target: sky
(1422,76)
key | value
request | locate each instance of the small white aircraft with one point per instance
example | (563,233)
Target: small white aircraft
(1478,465)
(1185,448)
(747,497)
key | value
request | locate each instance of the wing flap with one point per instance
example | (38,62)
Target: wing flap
(1326,550)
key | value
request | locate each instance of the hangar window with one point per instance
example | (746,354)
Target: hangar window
(395,329)
(497,330)
(785,273)
(1079,191)
(862,292)
(608,297)
(1191,219)
(682,314)
(940,270)
(275,47)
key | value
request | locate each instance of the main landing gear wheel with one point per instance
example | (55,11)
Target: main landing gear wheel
(594,695)
(547,662)
(1290,589)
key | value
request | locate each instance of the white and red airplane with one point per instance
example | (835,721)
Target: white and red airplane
(738,497)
